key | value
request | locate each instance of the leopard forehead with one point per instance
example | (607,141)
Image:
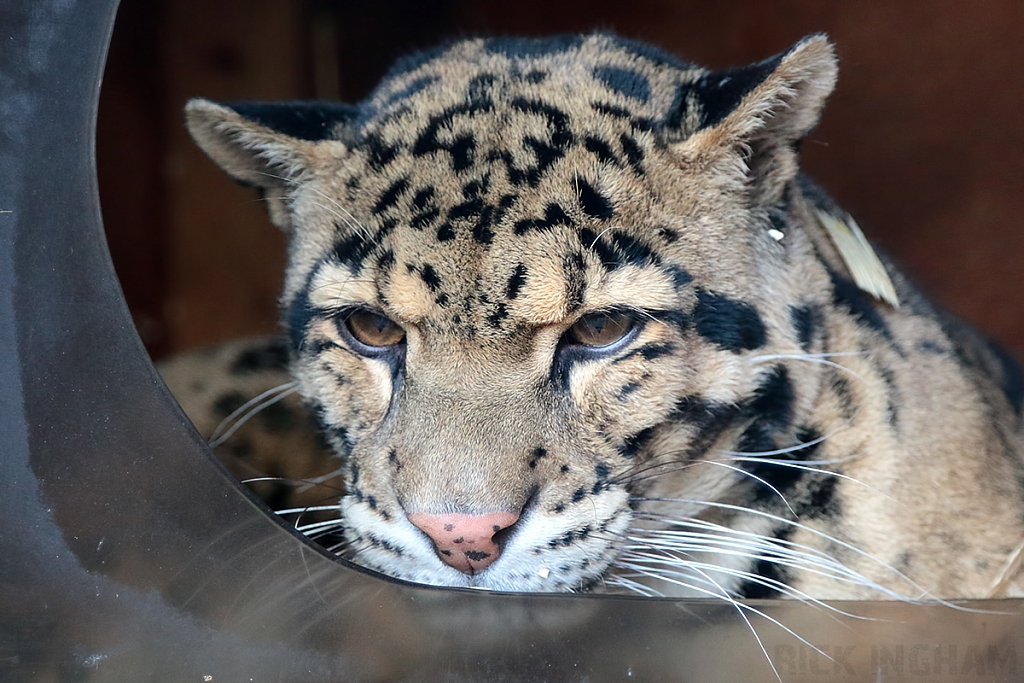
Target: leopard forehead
(496,170)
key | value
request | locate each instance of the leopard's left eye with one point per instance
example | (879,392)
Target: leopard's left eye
(602,328)
(373,329)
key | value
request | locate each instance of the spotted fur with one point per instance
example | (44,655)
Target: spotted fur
(765,428)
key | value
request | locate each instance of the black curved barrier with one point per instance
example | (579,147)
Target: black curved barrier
(128,554)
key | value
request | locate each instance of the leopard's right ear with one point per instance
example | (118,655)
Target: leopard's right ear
(269,145)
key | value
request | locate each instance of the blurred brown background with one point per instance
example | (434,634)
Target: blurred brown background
(923,141)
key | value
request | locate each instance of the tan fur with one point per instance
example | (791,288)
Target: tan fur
(488,197)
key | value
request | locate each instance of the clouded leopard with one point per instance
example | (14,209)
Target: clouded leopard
(569,317)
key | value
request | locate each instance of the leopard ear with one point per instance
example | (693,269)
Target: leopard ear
(760,111)
(271,146)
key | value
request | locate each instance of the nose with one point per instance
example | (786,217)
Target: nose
(465,541)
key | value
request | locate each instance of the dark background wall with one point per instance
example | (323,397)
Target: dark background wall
(923,141)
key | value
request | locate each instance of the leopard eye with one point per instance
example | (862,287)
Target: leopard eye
(373,329)
(600,329)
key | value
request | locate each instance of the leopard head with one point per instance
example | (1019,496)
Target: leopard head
(524,275)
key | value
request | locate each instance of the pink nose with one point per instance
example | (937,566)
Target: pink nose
(463,541)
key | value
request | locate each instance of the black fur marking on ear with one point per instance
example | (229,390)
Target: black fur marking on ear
(773,575)
(273,356)
(634,153)
(593,203)
(430,277)
(601,149)
(806,319)
(516,282)
(313,121)
(627,82)
(731,325)
(391,195)
(859,303)
(718,93)
(525,48)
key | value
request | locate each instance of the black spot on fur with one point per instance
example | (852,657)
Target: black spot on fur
(633,152)
(841,388)
(229,403)
(411,89)
(1011,377)
(516,282)
(386,260)
(806,320)
(773,575)
(732,325)
(632,250)
(277,418)
(390,196)
(860,304)
(590,240)
(627,82)
(553,215)
(273,356)
(523,48)
(425,218)
(649,351)
(463,146)
(353,250)
(601,149)
(593,203)
(423,197)
(680,278)
(430,277)
(445,233)
(546,153)
(573,269)
(632,445)
(499,314)
(380,154)
(578,495)
(626,390)
(536,76)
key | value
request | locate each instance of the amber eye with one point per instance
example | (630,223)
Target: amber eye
(374,329)
(601,329)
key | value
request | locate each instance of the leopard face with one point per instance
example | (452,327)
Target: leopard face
(537,289)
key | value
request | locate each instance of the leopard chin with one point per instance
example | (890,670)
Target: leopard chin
(567,316)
